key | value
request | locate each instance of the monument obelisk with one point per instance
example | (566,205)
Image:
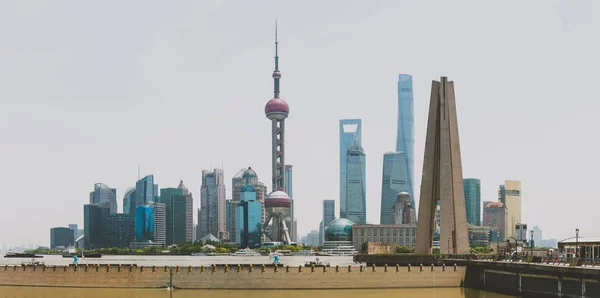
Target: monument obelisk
(442,177)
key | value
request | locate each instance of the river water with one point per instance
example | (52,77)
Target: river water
(36,292)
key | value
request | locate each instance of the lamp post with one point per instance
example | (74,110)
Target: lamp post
(576,243)
(531,243)
(498,243)
(448,245)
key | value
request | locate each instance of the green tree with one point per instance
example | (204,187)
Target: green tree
(401,249)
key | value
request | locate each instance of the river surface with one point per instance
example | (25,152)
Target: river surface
(183,261)
(37,292)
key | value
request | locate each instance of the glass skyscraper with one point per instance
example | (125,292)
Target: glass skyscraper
(394,181)
(94,216)
(350,131)
(328,216)
(104,194)
(212,213)
(119,230)
(129,201)
(145,191)
(473,200)
(356,205)
(150,222)
(179,213)
(405,138)
(61,237)
(248,218)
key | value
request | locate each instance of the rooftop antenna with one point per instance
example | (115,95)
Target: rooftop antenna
(276,73)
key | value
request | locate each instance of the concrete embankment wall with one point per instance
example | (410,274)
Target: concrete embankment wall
(231,278)
(531,280)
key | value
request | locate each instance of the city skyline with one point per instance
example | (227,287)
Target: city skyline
(96,112)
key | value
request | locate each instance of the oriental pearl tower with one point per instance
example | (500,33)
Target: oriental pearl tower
(278,203)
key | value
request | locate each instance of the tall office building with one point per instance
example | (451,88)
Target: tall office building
(289,190)
(104,194)
(495,216)
(119,230)
(150,223)
(61,236)
(442,177)
(403,212)
(356,196)
(405,138)
(238,181)
(179,214)
(328,216)
(145,191)
(473,200)
(73,228)
(537,236)
(211,219)
(129,201)
(394,181)
(510,195)
(350,129)
(94,216)
(248,217)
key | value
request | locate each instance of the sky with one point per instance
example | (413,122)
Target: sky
(90,91)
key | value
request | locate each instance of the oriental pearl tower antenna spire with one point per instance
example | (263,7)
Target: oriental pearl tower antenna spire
(278,203)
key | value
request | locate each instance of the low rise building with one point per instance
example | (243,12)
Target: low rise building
(399,234)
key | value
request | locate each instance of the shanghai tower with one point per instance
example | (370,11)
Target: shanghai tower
(405,138)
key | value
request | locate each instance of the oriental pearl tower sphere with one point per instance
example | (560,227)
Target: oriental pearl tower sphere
(278,203)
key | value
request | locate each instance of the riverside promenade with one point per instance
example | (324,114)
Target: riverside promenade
(234,277)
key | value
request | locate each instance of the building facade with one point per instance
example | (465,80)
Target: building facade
(289,178)
(356,193)
(394,181)
(405,138)
(403,211)
(61,236)
(212,213)
(399,234)
(145,191)
(495,216)
(537,236)
(94,225)
(350,129)
(129,201)
(104,194)
(521,232)
(442,178)
(73,228)
(248,217)
(238,181)
(328,217)
(479,236)
(119,230)
(510,195)
(150,223)
(473,200)
(179,214)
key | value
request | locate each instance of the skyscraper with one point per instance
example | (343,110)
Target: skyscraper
(94,216)
(61,236)
(278,204)
(537,236)
(211,219)
(328,216)
(394,181)
(510,195)
(356,195)
(238,181)
(144,191)
(150,223)
(248,215)
(495,216)
(119,230)
(179,214)
(104,194)
(129,201)
(73,228)
(350,129)
(442,177)
(473,200)
(405,138)
(288,189)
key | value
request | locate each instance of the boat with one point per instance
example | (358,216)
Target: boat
(71,252)
(341,251)
(21,255)
(204,254)
(245,252)
(281,252)
(316,263)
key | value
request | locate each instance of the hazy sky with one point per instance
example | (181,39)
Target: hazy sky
(89,91)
